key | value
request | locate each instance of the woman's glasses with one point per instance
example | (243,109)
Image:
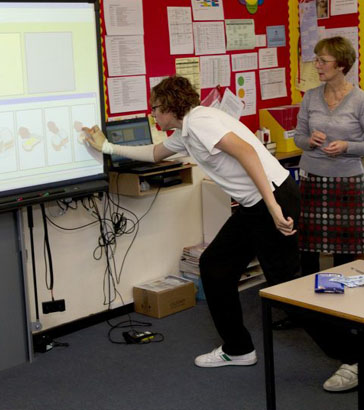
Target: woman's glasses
(322,61)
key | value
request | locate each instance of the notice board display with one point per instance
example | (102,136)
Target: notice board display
(159,61)
(349,24)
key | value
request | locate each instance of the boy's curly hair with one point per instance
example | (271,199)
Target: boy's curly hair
(175,94)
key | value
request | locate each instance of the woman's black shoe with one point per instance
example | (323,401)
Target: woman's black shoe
(284,324)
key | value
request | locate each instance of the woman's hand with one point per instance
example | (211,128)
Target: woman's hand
(317,139)
(95,137)
(336,148)
(285,226)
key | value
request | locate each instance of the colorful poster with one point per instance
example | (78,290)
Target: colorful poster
(246,90)
(207,10)
(308,29)
(276,36)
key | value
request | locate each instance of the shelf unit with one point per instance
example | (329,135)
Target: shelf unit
(130,184)
(288,155)
(290,161)
(252,276)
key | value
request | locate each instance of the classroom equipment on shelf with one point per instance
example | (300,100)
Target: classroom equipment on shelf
(281,121)
(130,132)
(146,183)
(189,267)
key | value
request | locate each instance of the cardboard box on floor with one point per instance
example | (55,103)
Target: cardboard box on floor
(164,296)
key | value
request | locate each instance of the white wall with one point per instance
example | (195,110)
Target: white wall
(173,222)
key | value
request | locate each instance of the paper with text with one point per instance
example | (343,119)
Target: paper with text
(207,9)
(123,17)
(125,55)
(244,62)
(245,86)
(268,57)
(273,83)
(240,34)
(351,33)
(260,40)
(344,7)
(127,94)
(180,30)
(153,81)
(215,70)
(209,38)
(308,29)
(189,67)
(231,104)
(276,36)
(308,77)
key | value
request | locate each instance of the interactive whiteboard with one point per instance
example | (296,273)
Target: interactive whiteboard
(49,89)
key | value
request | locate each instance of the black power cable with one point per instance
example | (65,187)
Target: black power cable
(113,223)
(31,226)
(133,336)
(48,250)
(119,225)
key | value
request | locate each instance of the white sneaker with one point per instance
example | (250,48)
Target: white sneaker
(345,378)
(218,358)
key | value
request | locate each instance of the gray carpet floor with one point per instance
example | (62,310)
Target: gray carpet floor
(94,374)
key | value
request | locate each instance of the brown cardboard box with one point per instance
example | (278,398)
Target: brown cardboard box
(164,296)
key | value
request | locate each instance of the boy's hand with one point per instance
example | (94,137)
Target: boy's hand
(95,137)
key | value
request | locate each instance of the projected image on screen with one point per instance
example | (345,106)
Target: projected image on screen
(7,151)
(49,90)
(49,61)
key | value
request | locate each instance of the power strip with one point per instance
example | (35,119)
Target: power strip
(133,337)
(54,306)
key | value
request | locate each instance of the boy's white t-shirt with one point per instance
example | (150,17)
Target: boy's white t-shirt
(203,128)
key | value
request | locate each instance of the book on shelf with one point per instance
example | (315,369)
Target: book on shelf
(194,251)
(190,259)
(271,147)
(188,267)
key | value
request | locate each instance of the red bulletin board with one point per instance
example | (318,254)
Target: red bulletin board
(159,62)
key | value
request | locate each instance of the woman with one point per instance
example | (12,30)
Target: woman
(330,131)
(263,225)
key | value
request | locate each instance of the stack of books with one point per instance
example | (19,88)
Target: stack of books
(189,269)
(189,266)
(271,147)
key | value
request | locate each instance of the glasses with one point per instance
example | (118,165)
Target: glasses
(321,61)
(154,107)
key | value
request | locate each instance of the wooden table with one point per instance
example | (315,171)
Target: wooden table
(298,295)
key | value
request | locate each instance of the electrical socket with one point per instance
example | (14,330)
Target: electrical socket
(54,306)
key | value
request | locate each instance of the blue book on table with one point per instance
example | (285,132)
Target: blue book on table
(323,283)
